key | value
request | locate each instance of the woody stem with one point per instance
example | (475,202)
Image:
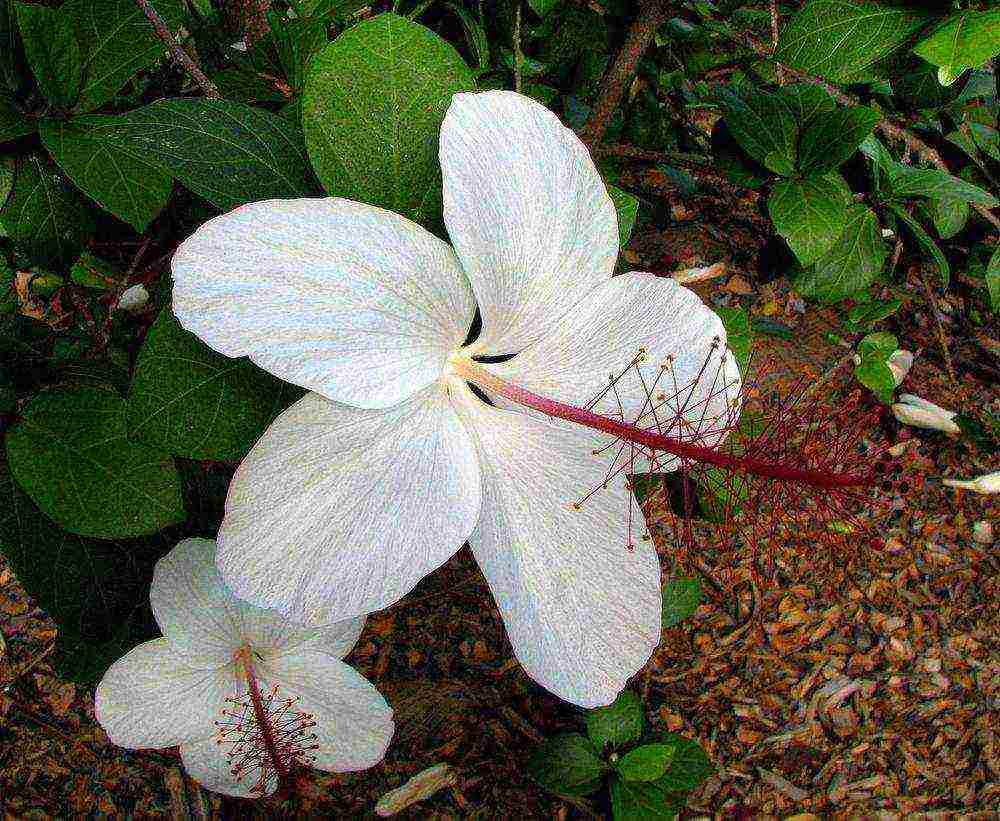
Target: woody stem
(246,657)
(472,372)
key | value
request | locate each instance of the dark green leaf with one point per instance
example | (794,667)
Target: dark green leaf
(45,216)
(543,7)
(864,314)
(91,272)
(906,181)
(193,402)
(806,102)
(681,598)
(925,242)
(118,42)
(475,37)
(53,52)
(14,123)
(762,124)
(226,152)
(810,214)
(567,764)
(96,591)
(949,216)
(838,39)
(877,377)
(115,174)
(833,138)
(993,280)
(618,723)
(689,766)
(70,452)
(646,763)
(965,40)
(644,801)
(627,207)
(851,264)
(372,110)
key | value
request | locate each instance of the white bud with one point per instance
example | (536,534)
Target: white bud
(986,484)
(919,413)
(689,275)
(422,785)
(900,363)
(134,298)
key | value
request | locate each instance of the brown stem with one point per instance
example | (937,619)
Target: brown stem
(652,14)
(942,337)
(678,159)
(263,721)
(176,51)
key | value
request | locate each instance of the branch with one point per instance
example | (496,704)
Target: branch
(652,14)
(178,53)
(690,162)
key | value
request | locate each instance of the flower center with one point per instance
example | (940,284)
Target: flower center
(264,731)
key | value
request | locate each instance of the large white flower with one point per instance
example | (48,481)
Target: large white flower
(377,477)
(247,695)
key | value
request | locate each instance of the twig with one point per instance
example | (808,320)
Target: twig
(689,162)
(652,14)
(942,338)
(179,54)
(780,71)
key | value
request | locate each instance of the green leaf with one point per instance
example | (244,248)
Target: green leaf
(97,592)
(873,371)
(851,264)
(906,181)
(567,765)
(193,402)
(965,40)
(226,152)
(70,452)
(372,110)
(880,345)
(762,124)
(627,206)
(866,313)
(688,767)
(644,801)
(833,138)
(115,174)
(810,214)
(91,272)
(543,7)
(52,51)
(806,102)
(681,597)
(739,334)
(46,217)
(925,242)
(993,280)
(949,216)
(13,123)
(873,149)
(646,763)
(839,39)
(618,723)
(475,37)
(118,42)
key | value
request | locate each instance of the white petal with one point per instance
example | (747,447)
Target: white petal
(353,302)
(338,511)
(582,611)
(194,609)
(694,398)
(527,212)
(353,723)
(151,698)
(267,631)
(208,763)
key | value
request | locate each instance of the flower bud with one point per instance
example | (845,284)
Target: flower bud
(919,413)
(134,298)
(986,484)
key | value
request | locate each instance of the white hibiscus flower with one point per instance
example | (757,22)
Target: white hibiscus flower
(246,695)
(376,478)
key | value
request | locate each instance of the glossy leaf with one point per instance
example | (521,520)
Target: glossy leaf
(927,245)
(53,52)
(567,764)
(689,766)
(965,40)
(907,181)
(372,110)
(763,126)
(681,597)
(834,137)
(851,264)
(70,452)
(113,173)
(646,763)
(193,402)
(810,214)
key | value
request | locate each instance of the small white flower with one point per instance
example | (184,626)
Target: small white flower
(363,487)
(247,695)
(919,413)
(134,298)
(986,484)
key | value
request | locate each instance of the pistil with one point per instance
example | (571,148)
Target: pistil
(245,657)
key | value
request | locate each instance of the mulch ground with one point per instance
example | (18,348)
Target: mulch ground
(873,693)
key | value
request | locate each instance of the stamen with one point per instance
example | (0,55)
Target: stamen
(265,732)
